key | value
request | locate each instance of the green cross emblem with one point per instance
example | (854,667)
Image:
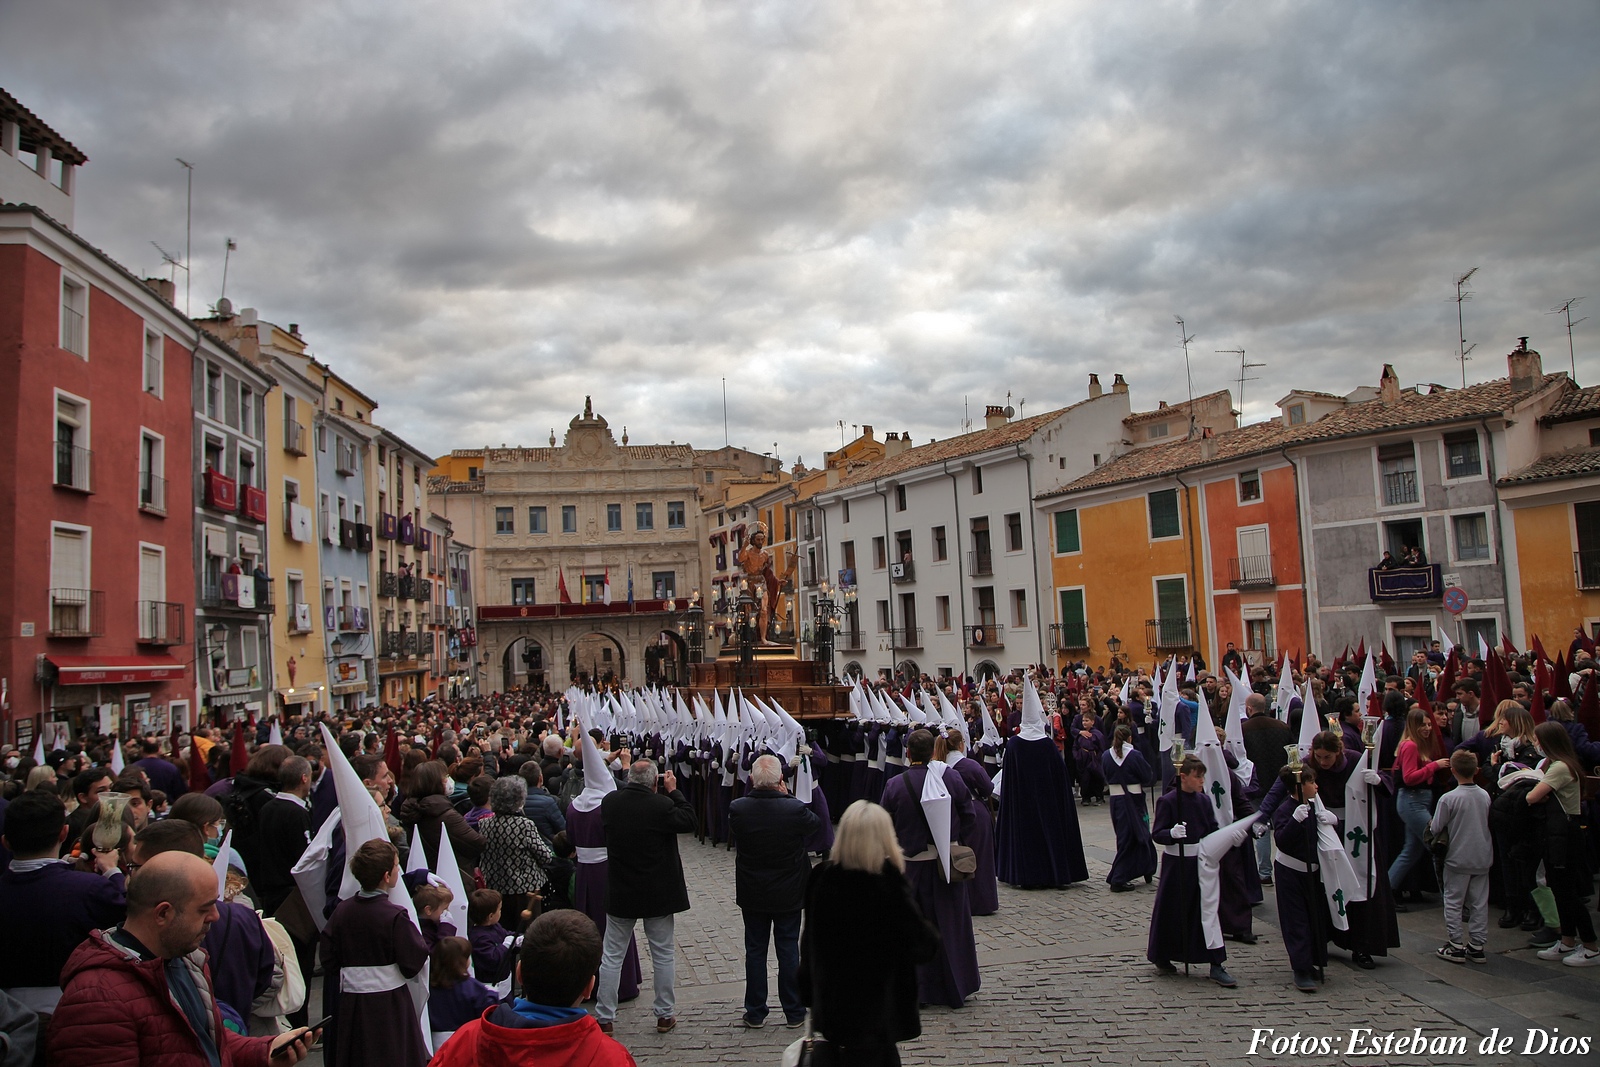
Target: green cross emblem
(1218,792)
(1338,896)
(1357,837)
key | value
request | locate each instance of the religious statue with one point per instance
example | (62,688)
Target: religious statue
(756,563)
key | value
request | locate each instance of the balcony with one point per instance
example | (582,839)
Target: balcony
(904,571)
(1251,572)
(388,527)
(985,635)
(424,590)
(363,537)
(1400,487)
(221,492)
(72,467)
(811,579)
(1405,583)
(1586,567)
(1069,636)
(408,587)
(353,620)
(906,636)
(390,645)
(294,437)
(253,504)
(388,583)
(77,613)
(1168,633)
(152,493)
(344,461)
(848,639)
(347,534)
(407,531)
(239,592)
(300,619)
(160,622)
(980,562)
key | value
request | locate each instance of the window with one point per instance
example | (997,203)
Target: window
(504,523)
(152,475)
(1411,638)
(1014,532)
(983,601)
(322,438)
(1164,515)
(247,411)
(1074,623)
(594,588)
(71,606)
(664,585)
(1172,613)
(675,515)
(1461,455)
(847,555)
(1486,628)
(1594,438)
(940,549)
(1019,607)
(213,390)
(613,518)
(1297,414)
(883,616)
(644,517)
(152,362)
(879,554)
(247,470)
(1399,466)
(977,481)
(711,476)
(569,518)
(1067,532)
(536,520)
(522,591)
(899,498)
(1157,430)
(1472,536)
(902,546)
(941,612)
(74,316)
(72,440)
(1249,487)
(846,504)
(1586,521)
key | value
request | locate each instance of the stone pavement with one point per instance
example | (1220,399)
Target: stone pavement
(1065,981)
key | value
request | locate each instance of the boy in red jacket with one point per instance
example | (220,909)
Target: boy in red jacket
(544,1026)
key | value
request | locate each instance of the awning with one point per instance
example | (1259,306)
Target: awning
(298,696)
(116,670)
(228,700)
(349,687)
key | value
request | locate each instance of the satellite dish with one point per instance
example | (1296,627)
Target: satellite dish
(225,308)
(1010,411)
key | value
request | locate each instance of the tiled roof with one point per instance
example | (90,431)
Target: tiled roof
(35,129)
(1315,393)
(1578,404)
(1413,409)
(1574,464)
(967,444)
(1170,410)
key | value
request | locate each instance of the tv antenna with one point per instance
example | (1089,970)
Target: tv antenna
(1462,295)
(1566,309)
(188,233)
(1244,367)
(230,246)
(170,260)
(966,415)
(1185,337)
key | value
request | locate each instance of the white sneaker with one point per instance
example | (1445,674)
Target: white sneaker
(1559,949)
(1583,958)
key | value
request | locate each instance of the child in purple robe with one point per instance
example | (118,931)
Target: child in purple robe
(494,948)
(455,997)
(431,902)
(1088,745)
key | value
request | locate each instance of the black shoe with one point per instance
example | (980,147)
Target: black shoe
(1267,880)
(1243,939)
(1121,887)
(1304,982)
(1220,976)
(1510,919)
(1149,878)
(1165,968)
(1364,961)
(1532,922)
(1543,938)
(752,1023)
(795,1024)
(1401,909)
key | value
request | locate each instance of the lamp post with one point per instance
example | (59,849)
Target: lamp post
(826,620)
(744,627)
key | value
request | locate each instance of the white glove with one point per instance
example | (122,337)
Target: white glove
(1327,818)
(1179,831)
(1302,813)
(510,940)
(1371,777)
(1258,830)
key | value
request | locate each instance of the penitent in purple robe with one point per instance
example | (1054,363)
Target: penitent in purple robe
(822,840)
(1038,843)
(983,889)
(585,830)
(952,975)
(1175,933)
(379,1029)
(1127,780)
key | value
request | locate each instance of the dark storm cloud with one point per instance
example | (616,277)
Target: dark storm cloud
(868,212)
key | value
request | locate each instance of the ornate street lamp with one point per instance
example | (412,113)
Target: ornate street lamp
(1113,645)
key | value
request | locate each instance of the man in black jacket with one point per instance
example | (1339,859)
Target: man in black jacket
(282,834)
(770,873)
(1264,740)
(644,880)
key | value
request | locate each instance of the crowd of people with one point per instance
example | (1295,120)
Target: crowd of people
(466,875)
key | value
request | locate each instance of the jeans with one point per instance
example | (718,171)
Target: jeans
(663,964)
(1264,855)
(786,935)
(1412,806)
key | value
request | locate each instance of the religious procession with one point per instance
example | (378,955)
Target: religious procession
(466,881)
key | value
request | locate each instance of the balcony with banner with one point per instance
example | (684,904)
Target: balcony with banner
(985,635)
(1386,585)
(221,492)
(253,504)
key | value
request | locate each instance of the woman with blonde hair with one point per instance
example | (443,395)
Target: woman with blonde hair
(862,941)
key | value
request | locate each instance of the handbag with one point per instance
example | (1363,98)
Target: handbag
(963,864)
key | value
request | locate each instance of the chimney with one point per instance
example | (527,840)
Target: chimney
(163,287)
(866,433)
(1526,369)
(1118,385)
(1208,445)
(994,415)
(294,329)
(1389,385)
(1094,387)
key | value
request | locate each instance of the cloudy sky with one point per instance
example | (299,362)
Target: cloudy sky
(858,211)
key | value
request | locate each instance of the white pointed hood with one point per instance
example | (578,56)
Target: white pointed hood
(597,779)
(1310,722)
(1032,713)
(275,734)
(991,732)
(936,805)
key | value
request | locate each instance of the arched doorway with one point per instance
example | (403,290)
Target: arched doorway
(908,672)
(666,660)
(597,657)
(986,670)
(523,663)
(852,669)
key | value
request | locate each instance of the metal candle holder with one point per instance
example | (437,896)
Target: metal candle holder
(1369,731)
(1293,752)
(1177,751)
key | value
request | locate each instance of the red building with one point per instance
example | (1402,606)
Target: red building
(96,508)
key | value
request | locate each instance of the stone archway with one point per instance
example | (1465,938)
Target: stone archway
(666,659)
(986,670)
(908,671)
(597,656)
(524,662)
